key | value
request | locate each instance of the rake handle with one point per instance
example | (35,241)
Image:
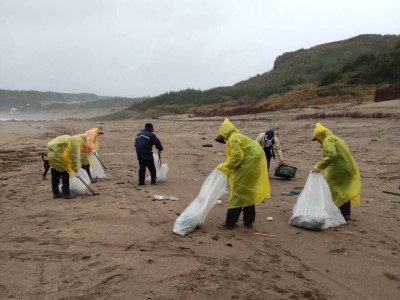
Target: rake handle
(100,161)
(88,187)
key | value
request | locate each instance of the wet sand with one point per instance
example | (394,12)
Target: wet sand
(120,245)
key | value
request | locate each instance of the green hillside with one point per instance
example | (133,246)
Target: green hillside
(33,101)
(349,68)
(328,73)
(310,65)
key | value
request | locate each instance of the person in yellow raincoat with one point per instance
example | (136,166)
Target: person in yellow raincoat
(93,138)
(340,170)
(90,148)
(64,153)
(246,168)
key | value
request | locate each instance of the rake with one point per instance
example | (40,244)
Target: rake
(88,187)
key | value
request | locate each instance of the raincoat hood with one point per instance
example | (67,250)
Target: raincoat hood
(227,129)
(321,132)
(92,144)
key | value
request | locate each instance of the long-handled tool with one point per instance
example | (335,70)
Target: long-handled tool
(392,193)
(87,186)
(159,158)
(105,169)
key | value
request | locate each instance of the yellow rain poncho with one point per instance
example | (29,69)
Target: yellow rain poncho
(64,153)
(92,144)
(246,167)
(93,138)
(340,168)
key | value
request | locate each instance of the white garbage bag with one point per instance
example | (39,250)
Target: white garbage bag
(96,171)
(196,213)
(314,208)
(162,170)
(76,186)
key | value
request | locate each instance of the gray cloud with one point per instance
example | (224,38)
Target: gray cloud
(138,48)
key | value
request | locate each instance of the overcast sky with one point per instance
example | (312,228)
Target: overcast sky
(139,48)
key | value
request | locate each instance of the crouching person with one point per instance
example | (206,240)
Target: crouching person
(64,153)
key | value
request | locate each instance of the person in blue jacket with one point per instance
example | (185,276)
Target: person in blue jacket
(144,142)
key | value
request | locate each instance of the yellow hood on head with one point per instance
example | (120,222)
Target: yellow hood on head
(321,132)
(227,128)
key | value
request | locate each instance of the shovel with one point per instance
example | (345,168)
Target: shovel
(105,169)
(88,187)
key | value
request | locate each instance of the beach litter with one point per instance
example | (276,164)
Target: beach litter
(264,234)
(291,193)
(119,202)
(164,197)
(193,179)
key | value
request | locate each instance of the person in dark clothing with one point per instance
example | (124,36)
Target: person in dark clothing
(144,149)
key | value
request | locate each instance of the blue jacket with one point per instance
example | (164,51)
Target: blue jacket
(144,144)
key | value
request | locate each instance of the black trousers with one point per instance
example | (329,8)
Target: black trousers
(249,215)
(146,163)
(345,209)
(268,156)
(87,169)
(55,181)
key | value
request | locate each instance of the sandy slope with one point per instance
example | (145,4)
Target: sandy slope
(120,245)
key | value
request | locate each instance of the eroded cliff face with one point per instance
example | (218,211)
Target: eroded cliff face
(391,92)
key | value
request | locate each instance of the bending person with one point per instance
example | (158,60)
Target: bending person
(64,153)
(271,145)
(91,162)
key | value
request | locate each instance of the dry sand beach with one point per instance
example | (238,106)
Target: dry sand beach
(120,245)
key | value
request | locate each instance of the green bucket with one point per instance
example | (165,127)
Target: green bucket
(285,171)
